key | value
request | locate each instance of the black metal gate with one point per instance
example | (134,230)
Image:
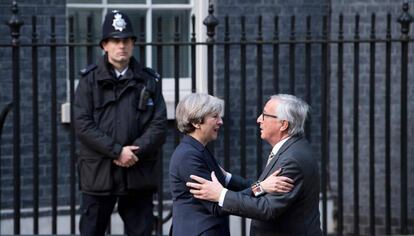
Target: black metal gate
(316,68)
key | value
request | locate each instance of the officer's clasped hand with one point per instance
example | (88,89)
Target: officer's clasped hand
(127,158)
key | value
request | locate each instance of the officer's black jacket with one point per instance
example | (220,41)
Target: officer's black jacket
(111,113)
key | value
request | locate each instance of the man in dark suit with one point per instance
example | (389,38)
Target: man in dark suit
(292,213)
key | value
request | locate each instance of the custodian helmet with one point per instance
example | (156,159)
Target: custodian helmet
(116,25)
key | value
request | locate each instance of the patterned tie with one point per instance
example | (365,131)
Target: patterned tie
(271,155)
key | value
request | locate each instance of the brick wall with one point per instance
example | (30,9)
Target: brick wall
(43,10)
(234,9)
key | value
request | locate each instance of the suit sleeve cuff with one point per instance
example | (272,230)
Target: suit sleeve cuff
(222,196)
(228,178)
(116,151)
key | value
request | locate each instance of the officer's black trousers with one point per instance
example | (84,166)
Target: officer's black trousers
(135,211)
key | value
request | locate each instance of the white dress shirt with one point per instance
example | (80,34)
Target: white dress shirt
(275,149)
(117,73)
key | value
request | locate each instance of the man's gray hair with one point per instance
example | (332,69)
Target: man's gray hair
(292,109)
(193,108)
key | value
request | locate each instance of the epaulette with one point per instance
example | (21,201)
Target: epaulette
(152,73)
(87,69)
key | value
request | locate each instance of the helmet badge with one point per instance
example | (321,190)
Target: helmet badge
(119,23)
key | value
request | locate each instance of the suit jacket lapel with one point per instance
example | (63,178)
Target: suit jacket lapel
(282,149)
(208,157)
(214,166)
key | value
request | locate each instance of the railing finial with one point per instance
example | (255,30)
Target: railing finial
(405,20)
(211,22)
(15,23)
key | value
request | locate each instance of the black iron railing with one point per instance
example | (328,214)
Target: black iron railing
(301,66)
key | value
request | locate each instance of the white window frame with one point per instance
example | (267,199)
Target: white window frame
(198,8)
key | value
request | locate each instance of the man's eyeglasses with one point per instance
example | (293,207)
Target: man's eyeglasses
(268,115)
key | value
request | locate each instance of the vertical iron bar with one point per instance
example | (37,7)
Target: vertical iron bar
(160,195)
(405,20)
(308,73)
(404,84)
(15,24)
(193,56)
(356,127)
(372,129)
(259,99)
(53,123)
(89,40)
(340,123)
(72,174)
(176,71)
(3,116)
(276,48)
(292,45)
(324,122)
(159,48)
(243,108)
(142,41)
(210,70)
(2,119)
(226,95)
(160,207)
(388,127)
(211,22)
(35,130)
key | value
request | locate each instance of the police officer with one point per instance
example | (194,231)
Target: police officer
(120,120)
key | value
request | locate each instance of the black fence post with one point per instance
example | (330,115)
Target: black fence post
(243,76)
(372,93)
(15,23)
(73,157)
(324,123)
(53,123)
(142,39)
(340,101)
(210,22)
(405,20)
(193,55)
(259,91)
(308,73)
(35,129)
(355,122)
(176,53)
(89,39)
(388,128)
(276,50)
(227,126)
(292,58)
(3,115)
(176,62)
(160,195)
